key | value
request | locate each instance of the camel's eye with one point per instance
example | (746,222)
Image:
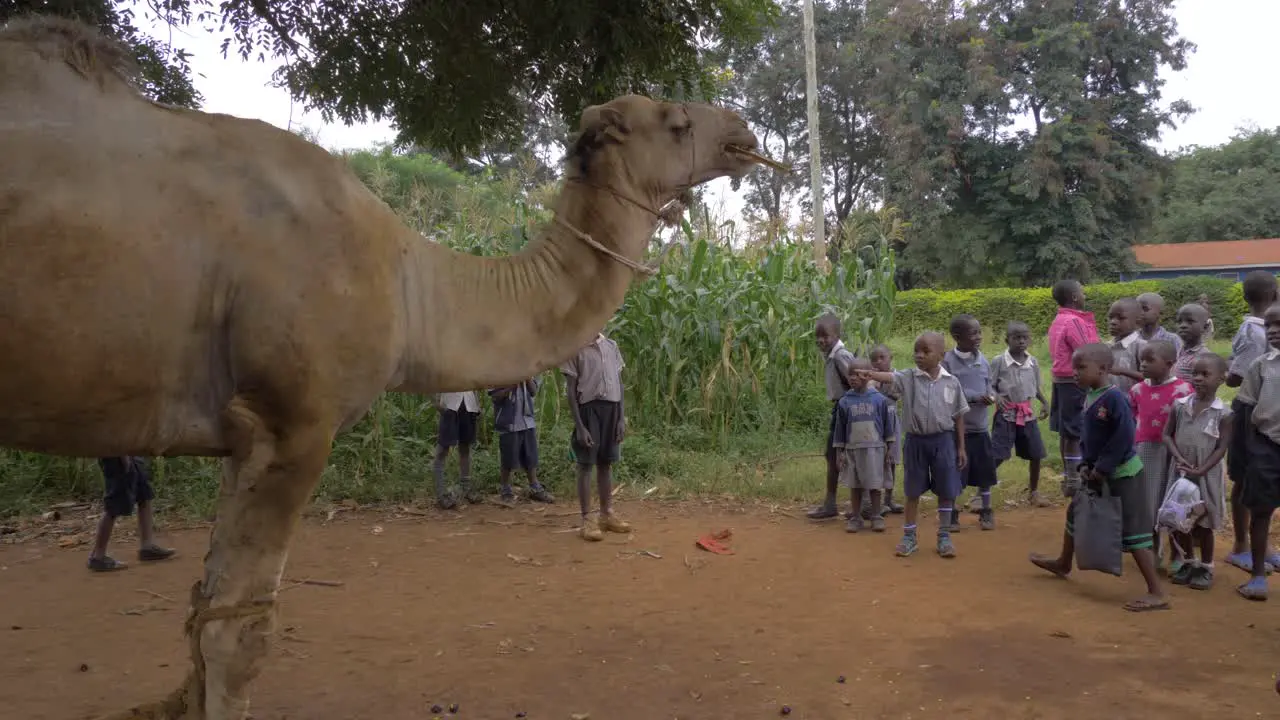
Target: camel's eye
(678,120)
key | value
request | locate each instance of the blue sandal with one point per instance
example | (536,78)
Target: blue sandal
(1255,589)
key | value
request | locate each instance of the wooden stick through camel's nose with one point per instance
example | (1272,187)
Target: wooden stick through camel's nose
(759,158)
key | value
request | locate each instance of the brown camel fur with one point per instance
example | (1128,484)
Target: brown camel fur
(185,283)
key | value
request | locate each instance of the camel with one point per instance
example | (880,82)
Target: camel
(185,283)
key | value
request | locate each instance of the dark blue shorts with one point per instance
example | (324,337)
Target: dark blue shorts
(1066,408)
(457,427)
(518,450)
(128,484)
(929,465)
(1007,437)
(1261,491)
(980,471)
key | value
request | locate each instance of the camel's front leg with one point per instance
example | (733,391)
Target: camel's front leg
(264,487)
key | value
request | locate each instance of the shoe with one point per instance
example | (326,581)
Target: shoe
(472,495)
(854,525)
(1201,579)
(987,519)
(447,500)
(822,512)
(106,564)
(541,494)
(877,524)
(1038,501)
(895,508)
(975,505)
(945,548)
(1182,575)
(612,523)
(907,546)
(154,553)
(590,530)
(507,497)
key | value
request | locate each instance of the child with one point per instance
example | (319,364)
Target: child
(933,409)
(594,380)
(1249,344)
(459,413)
(1108,458)
(1015,380)
(1191,319)
(826,334)
(513,418)
(128,484)
(1126,345)
(1260,394)
(1152,305)
(1151,400)
(882,361)
(1072,328)
(1203,301)
(1197,435)
(864,430)
(967,363)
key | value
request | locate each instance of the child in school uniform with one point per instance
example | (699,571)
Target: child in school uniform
(515,420)
(826,334)
(1250,343)
(459,415)
(882,361)
(1072,328)
(1108,458)
(1197,435)
(594,388)
(1015,380)
(1151,306)
(1151,400)
(967,363)
(933,410)
(864,431)
(1191,320)
(127,481)
(1126,343)
(1260,394)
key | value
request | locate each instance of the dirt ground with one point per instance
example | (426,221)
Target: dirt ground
(501,611)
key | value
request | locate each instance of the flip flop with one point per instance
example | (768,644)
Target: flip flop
(710,544)
(1244,561)
(1255,589)
(1144,605)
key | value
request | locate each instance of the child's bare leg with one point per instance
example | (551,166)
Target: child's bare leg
(604,485)
(148,550)
(1259,528)
(504,482)
(875,503)
(1061,565)
(1145,559)
(855,500)
(103,536)
(584,489)
(464,474)
(1204,539)
(1034,480)
(1240,519)
(443,497)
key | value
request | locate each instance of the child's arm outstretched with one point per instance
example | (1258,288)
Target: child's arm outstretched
(1124,372)
(884,378)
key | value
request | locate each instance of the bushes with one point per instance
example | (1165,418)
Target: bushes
(920,310)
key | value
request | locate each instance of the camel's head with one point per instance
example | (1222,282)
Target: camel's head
(660,147)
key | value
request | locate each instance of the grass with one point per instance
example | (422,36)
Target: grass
(387,458)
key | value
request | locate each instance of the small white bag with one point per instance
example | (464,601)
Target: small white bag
(1182,506)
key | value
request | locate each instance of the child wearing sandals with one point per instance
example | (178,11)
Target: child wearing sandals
(1260,395)
(1197,434)
(863,432)
(1108,458)
(933,410)
(128,485)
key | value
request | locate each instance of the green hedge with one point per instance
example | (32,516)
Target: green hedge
(920,310)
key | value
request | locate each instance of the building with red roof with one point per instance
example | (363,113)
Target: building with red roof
(1229,259)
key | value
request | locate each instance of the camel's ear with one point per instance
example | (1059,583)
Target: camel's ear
(601,125)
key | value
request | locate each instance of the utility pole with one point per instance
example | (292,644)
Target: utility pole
(815,154)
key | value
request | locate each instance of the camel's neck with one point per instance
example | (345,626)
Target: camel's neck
(474,322)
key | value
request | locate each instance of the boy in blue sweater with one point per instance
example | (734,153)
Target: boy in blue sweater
(1108,457)
(864,430)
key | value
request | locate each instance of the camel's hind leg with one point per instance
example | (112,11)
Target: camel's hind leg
(265,484)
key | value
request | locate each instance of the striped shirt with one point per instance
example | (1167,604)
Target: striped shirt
(598,369)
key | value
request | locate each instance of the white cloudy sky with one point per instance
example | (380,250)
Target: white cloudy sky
(1225,80)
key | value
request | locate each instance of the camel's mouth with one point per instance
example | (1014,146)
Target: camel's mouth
(756,158)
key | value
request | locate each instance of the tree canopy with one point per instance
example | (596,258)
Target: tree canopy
(1228,192)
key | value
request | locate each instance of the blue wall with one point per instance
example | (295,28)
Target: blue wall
(1236,274)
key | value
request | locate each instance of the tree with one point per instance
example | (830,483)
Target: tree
(164,74)
(452,75)
(1229,192)
(1066,195)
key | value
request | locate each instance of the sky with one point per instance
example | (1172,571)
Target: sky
(1224,80)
